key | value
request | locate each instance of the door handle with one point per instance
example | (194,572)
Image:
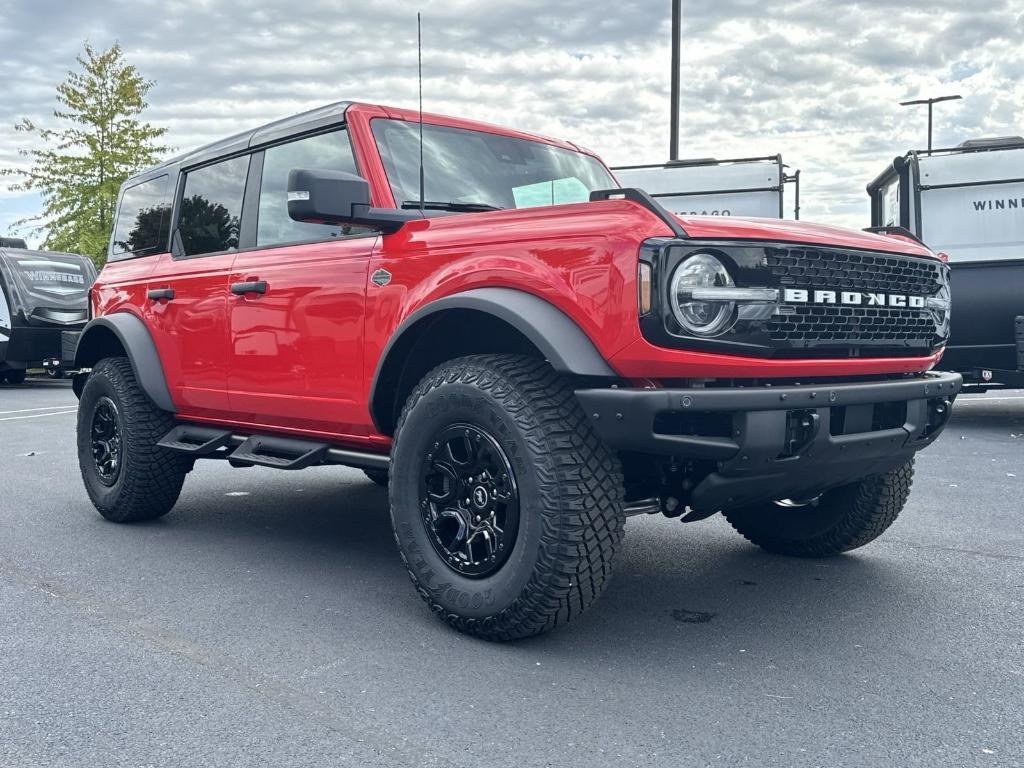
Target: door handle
(253,286)
(155,294)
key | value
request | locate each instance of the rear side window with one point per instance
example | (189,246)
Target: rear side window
(328,151)
(143,220)
(211,207)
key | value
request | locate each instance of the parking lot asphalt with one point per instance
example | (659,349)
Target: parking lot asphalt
(268,621)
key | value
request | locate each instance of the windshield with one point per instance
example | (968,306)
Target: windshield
(464,166)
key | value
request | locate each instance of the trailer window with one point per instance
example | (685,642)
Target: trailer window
(143,220)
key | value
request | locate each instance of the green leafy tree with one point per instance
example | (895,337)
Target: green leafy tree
(78,166)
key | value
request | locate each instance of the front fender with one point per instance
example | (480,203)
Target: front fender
(557,336)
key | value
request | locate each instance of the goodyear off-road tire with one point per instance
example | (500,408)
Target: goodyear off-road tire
(379,476)
(128,477)
(567,488)
(840,520)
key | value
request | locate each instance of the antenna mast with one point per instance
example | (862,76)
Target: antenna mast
(419,64)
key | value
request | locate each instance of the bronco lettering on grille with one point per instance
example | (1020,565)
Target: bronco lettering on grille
(852,298)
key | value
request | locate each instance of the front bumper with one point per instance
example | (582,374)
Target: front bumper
(770,442)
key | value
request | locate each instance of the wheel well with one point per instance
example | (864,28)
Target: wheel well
(98,343)
(442,336)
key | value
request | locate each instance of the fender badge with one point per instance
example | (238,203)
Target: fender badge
(381,277)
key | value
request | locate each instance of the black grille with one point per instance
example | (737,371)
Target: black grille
(823,325)
(844,270)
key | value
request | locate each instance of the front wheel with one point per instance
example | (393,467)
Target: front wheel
(839,520)
(506,507)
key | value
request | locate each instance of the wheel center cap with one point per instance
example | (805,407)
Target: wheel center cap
(480,497)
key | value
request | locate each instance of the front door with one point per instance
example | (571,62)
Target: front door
(296,314)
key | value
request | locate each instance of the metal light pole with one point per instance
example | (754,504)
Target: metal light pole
(677,23)
(930,102)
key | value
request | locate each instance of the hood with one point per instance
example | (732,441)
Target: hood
(781,230)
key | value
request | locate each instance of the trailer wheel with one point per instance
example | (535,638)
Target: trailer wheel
(128,477)
(506,507)
(839,520)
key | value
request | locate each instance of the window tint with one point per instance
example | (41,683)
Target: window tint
(211,207)
(328,151)
(468,166)
(143,220)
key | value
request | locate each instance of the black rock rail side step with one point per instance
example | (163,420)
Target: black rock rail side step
(195,441)
(278,452)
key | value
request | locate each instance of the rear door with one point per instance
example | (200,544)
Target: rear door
(296,343)
(188,291)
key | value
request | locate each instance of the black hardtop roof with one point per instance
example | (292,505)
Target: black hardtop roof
(311,120)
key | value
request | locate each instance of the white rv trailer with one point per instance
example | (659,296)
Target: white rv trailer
(746,186)
(968,202)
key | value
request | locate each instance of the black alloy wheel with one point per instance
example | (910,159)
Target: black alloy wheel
(469,500)
(107,443)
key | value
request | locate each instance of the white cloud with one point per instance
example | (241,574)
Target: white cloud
(817,81)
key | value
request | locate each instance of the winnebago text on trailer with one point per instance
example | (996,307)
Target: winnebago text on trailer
(968,202)
(745,186)
(44,305)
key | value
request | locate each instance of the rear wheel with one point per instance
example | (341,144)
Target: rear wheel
(128,477)
(14,376)
(507,508)
(839,520)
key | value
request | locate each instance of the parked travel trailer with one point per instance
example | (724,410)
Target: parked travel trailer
(43,308)
(968,202)
(747,186)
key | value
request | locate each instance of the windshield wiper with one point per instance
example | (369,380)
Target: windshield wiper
(432,205)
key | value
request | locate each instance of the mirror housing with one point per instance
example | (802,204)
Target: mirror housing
(334,197)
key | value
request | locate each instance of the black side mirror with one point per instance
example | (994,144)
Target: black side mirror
(336,197)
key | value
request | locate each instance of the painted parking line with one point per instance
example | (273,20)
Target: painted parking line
(47,408)
(963,400)
(39,415)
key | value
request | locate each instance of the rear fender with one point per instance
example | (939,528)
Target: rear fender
(103,336)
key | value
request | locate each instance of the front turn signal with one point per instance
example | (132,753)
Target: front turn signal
(643,287)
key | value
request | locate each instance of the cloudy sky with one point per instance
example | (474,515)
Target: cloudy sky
(817,80)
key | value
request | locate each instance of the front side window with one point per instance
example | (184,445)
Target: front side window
(327,151)
(143,220)
(465,166)
(211,207)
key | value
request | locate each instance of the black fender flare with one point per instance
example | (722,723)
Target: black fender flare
(131,332)
(562,342)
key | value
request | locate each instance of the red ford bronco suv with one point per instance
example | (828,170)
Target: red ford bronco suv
(524,353)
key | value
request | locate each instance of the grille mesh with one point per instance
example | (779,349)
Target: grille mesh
(818,268)
(840,325)
(813,325)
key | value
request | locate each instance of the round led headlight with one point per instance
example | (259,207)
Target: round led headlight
(692,304)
